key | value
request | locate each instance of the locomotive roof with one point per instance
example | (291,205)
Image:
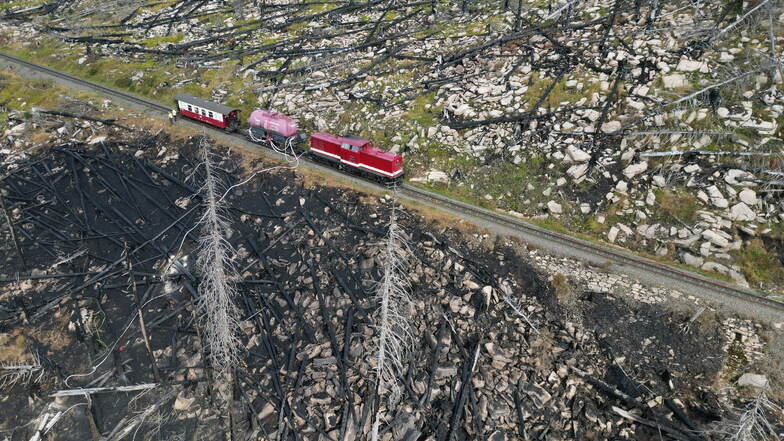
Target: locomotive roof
(209,105)
(350,140)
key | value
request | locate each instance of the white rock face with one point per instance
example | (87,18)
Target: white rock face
(635,169)
(738,278)
(554,207)
(735,176)
(716,198)
(715,267)
(577,155)
(612,234)
(692,260)
(577,171)
(753,380)
(748,197)
(436,176)
(611,126)
(183,402)
(674,81)
(715,238)
(16,130)
(96,140)
(742,212)
(686,65)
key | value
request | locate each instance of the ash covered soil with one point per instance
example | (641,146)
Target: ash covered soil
(106,233)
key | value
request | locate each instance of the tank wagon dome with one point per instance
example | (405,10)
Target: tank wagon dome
(204,104)
(273,122)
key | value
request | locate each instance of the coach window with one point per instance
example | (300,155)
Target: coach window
(190,109)
(210,114)
(203,112)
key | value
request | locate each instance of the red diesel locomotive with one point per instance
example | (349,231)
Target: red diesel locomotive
(281,132)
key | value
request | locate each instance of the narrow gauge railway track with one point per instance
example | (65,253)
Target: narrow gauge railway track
(732,297)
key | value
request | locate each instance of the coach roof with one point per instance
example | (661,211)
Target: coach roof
(209,105)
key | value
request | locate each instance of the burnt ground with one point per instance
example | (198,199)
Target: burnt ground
(106,232)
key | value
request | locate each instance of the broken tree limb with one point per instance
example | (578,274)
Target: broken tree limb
(638,419)
(108,122)
(660,422)
(102,390)
(140,312)
(465,384)
(12,232)
(707,153)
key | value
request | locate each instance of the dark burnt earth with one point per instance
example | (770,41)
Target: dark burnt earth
(108,227)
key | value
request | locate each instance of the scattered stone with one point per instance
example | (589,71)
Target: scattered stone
(635,169)
(716,198)
(742,212)
(715,238)
(577,171)
(692,260)
(611,126)
(748,197)
(715,267)
(183,401)
(686,65)
(674,81)
(753,380)
(612,234)
(576,154)
(554,207)
(433,176)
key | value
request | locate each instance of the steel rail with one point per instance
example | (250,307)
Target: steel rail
(637,266)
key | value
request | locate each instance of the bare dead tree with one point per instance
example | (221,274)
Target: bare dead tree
(215,261)
(26,373)
(395,305)
(756,421)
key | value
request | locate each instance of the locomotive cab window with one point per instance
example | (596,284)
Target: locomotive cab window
(345,146)
(354,148)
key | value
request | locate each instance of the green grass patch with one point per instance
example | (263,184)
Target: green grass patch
(677,205)
(419,111)
(163,39)
(23,95)
(759,265)
(18,5)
